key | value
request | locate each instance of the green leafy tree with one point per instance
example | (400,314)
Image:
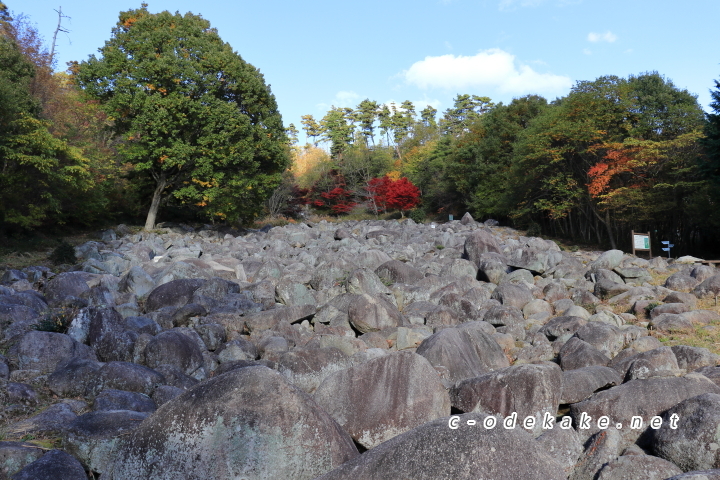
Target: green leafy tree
(613,155)
(338,129)
(479,161)
(195,117)
(711,143)
(312,128)
(465,109)
(365,114)
(292,133)
(661,110)
(39,173)
(428,116)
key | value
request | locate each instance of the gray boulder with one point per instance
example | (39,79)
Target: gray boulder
(384,397)
(601,448)
(608,260)
(43,351)
(369,313)
(646,467)
(478,242)
(680,282)
(436,451)
(16,455)
(54,465)
(576,353)
(643,398)
(398,272)
(306,368)
(504,315)
(111,399)
(108,336)
(461,353)
(69,284)
(562,444)
(579,384)
(92,437)
(693,444)
(248,423)
(174,348)
(672,323)
(174,293)
(713,474)
(136,281)
(492,267)
(657,362)
(562,327)
(529,390)
(708,288)
(73,377)
(126,376)
(513,295)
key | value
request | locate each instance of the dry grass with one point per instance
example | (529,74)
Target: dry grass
(705,336)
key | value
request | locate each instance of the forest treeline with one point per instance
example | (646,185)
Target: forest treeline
(169,117)
(614,155)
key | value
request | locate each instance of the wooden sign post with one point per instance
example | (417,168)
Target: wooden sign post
(641,242)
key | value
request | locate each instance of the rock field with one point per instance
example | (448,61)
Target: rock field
(357,350)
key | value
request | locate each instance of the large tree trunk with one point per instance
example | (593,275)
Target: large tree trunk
(608,226)
(155,204)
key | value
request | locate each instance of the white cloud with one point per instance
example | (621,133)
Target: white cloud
(346,99)
(602,37)
(512,4)
(587,51)
(492,68)
(448,45)
(343,98)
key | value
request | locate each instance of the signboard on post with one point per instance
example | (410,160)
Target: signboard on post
(641,242)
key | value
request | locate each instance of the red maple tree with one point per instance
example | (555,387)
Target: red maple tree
(388,194)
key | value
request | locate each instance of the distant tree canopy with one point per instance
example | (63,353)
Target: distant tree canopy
(613,155)
(194,116)
(41,175)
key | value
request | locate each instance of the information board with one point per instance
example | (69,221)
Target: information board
(641,242)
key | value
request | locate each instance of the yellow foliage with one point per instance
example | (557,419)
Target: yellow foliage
(202,184)
(394,175)
(307,161)
(415,157)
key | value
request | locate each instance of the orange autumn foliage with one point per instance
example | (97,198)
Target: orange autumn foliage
(619,159)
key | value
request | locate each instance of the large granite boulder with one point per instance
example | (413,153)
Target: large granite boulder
(644,398)
(248,423)
(460,353)
(386,396)
(529,390)
(693,443)
(457,448)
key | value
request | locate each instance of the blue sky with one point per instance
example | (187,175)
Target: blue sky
(318,53)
